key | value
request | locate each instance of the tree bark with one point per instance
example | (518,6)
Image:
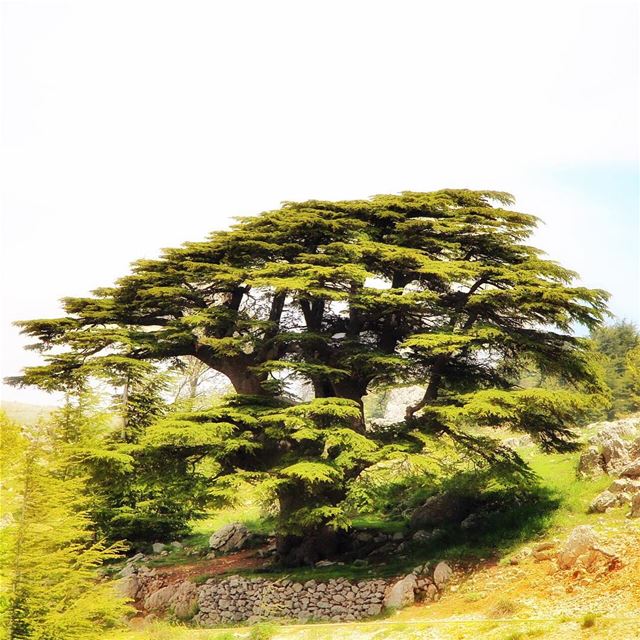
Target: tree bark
(319,543)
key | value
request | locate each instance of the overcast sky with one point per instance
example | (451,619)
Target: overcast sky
(131,126)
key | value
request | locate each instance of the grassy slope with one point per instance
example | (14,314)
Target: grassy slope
(499,601)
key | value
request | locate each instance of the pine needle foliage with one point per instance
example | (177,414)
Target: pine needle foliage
(438,289)
(49,582)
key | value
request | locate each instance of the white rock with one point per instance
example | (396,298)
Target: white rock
(632,470)
(603,502)
(231,537)
(401,593)
(127,571)
(136,558)
(591,463)
(581,540)
(159,599)
(625,485)
(158,547)
(442,574)
(127,587)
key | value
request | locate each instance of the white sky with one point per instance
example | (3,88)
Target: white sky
(130,126)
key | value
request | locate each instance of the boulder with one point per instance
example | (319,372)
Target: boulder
(231,537)
(635,506)
(475,521)
(160,599)
(422,537)
(184,600)
(625,485)
(443,508)
(580,542)
(519,441)
(136,558)
(632,470)
(591,463)
(442,574)
(128,587)
(543,551)
(158,547)
(614,452)
(605,501)
(425,537)
(126,571)
(401,593)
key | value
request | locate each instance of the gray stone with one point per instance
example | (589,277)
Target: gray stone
(136,558)
(231,537)
(127,570)
(127,587)
(518,441)
(591,463)
(324,563)
(581,540)
(614,452)
(474,521)
(159,600)
(604,501)
(440,509)
(632,470)
(442,574)
(625,485)
(158,547)
(401,593)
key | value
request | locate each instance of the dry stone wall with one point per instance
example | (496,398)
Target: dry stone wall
(238,599)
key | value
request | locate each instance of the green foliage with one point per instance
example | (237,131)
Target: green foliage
(49,553)
(632,374)
(137,492)
(617,345)
(262,631)
(438,289)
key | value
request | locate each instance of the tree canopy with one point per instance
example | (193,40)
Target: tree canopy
(438,289)
(617,345)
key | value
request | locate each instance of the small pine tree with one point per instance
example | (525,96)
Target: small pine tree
(614,344)
(50,587)
(633,377)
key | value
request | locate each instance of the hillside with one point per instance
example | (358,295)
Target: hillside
(24,413)
(520,590)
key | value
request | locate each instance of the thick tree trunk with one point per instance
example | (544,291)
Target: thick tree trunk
(237,369)
(318,543)
(353,390)
(245,382)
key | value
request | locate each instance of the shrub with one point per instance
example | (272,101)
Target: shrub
(262,631)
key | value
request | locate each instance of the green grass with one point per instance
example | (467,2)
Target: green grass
(400,630)
(559,503)
(263,631)
(558,473)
